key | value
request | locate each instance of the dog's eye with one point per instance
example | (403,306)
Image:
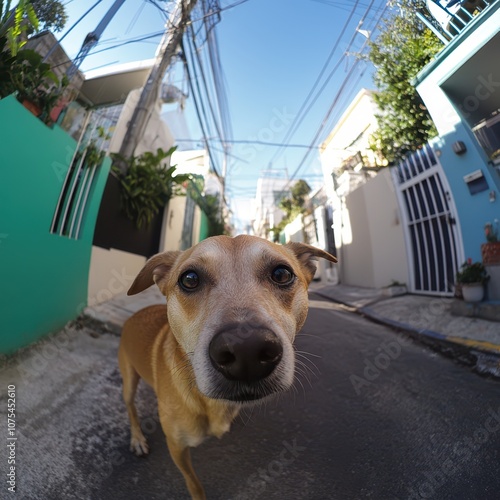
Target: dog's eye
(189,280)
(282,275)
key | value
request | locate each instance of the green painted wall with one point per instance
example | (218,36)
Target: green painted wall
(43,277)
(204,226)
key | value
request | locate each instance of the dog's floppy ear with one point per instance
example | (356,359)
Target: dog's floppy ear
(307,255)
(155,269)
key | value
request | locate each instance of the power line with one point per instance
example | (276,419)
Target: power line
(75,24)
(197,109)
(243,141)
(127,42)
(299,115)
(330,110)
(200,109)
(194,50)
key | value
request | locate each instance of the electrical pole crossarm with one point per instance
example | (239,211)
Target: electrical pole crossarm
(176,27)
(92,38)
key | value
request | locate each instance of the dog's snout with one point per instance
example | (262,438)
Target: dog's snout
(246,359)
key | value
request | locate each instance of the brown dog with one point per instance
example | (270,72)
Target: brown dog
(234,306)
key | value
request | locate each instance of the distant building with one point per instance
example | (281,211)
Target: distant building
(272,187)
(346,157)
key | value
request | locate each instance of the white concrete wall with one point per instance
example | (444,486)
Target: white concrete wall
(173,222)
(157,134)
(294,230)
(374,253)
(266,213)
(111,273)
(351,134)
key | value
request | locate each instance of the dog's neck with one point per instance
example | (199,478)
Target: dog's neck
(216,413)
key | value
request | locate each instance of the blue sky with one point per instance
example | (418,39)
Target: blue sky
(272,52)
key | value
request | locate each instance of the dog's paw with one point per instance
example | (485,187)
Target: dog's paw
(139,446)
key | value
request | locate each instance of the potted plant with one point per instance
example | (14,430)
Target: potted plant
(394,289)
(147,183)
(490,251)
(472,278)
(37,86)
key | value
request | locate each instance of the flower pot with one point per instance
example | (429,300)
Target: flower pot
(57,109)
(394,290)
(490,253)
(473,292)
(32,107)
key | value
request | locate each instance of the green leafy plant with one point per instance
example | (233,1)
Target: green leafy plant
(402,48)
(16,23)
(212,209)
(292,206)
(147,184)
(472,272)
(491,231)
(209,204)
(395,283)
(7,62)
(94,150)
(51,14)
(35,81)
(23,70)
(92,154)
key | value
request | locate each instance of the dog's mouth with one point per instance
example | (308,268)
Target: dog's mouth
(244,366)
(245,393)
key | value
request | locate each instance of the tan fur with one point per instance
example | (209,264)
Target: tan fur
(168,347)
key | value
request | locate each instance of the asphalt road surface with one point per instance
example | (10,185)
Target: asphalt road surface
(373,416)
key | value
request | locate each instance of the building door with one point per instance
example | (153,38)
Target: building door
(432,232)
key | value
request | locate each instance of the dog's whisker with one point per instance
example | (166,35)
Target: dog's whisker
(307,354)
(302,334)
(301,385)
(313,370)
(303,372)
(306,371)
(302,356)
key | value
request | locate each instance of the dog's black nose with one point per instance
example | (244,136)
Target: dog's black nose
(245,356)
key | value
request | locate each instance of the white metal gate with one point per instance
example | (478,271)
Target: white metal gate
(432,232)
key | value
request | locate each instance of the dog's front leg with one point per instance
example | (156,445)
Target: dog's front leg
(130,378)
(182,458)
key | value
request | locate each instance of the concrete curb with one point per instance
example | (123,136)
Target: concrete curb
(483,356)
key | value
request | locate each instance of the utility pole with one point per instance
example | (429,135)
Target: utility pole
(175,28)
(92,38)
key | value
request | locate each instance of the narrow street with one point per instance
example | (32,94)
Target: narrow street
(419,426)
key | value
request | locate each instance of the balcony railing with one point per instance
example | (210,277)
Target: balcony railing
(448,18)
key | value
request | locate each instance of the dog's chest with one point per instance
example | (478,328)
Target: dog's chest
(196,429)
